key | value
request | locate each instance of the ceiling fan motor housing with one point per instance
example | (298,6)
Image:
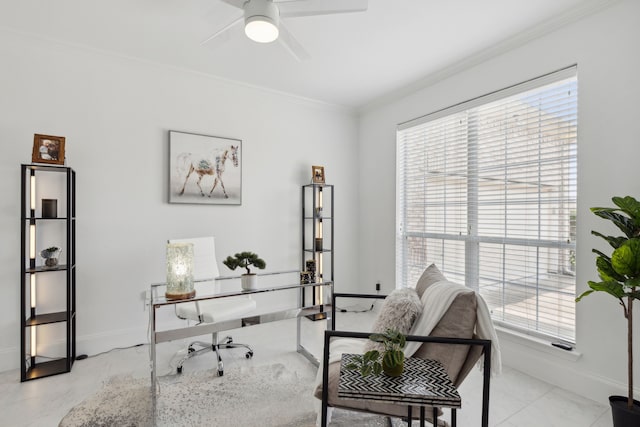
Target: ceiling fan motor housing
(261,20)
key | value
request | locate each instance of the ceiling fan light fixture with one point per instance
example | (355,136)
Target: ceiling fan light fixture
(261,30)
(261,21)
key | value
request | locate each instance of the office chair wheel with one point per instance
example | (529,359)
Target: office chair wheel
(249,354)
(228,340)
(191,349)
(220,373)
(179,370)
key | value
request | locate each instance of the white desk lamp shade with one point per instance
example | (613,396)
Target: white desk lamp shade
(180,271)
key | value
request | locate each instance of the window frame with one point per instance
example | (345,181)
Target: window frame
(472,240)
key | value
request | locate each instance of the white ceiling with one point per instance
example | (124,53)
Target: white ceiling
(356,58)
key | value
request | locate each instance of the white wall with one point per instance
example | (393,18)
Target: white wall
(115,113)
(605,47)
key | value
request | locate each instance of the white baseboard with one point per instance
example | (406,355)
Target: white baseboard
(87,344)
(557,367)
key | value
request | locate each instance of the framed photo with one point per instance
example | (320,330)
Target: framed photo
(204,169)
(48,149)
(317,174)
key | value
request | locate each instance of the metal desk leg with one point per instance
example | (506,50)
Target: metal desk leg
(152,314)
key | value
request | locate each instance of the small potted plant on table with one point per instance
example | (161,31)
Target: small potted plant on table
(245,259)
(390,361)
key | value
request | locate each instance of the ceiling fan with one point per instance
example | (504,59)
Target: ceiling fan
(262,22)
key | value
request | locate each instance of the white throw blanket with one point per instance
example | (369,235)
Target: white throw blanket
(436,300)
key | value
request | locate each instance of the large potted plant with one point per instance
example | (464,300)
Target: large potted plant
(620,277)
(245,260)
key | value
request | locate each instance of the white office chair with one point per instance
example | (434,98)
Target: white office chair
(228,310)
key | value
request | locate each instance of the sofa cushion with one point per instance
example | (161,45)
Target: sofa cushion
(399,311)
(458,322)
(430,276)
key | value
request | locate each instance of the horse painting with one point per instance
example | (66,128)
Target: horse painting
(213,165)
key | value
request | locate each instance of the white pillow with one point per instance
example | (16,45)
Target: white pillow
(399,311)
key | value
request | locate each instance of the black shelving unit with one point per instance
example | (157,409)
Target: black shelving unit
(35,321)
(317,239)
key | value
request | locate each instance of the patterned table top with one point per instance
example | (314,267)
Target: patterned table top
(423,382)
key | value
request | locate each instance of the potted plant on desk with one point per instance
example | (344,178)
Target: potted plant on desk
(620,278)
(245,259)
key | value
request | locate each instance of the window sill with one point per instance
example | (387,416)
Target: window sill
(537,344)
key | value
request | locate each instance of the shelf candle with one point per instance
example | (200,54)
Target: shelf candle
(33,341)
(32,242)
(33,290)
(180,271)
(32,192)
(49,208)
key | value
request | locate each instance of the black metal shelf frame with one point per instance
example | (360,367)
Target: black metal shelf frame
(31,365)
(312,195)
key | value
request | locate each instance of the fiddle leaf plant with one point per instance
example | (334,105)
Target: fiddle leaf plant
(620,272)
(244,260)
(390,360)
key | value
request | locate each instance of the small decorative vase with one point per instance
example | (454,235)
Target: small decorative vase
(51,262)
(249,281)
(393,363)
(50,257)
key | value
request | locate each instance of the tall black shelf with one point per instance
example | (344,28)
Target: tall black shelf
(33,366)
(317,238)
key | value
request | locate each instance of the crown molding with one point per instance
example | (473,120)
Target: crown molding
(548,26)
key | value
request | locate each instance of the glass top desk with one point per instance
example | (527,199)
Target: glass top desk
(225,287)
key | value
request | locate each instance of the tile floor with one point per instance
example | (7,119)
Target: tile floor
(516,399)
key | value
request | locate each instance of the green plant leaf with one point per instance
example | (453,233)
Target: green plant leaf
(584,294)
(377,368)
(371,356)
(614,241)
(630,206)
(393,358)
(606,271)
(613,288)
(633,282)
(365,370)
(377,337)
(626,259)
(624,223)
(603,255)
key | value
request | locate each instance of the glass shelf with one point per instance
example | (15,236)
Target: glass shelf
(44,268)
(43,319)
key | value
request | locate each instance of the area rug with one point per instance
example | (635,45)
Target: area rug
(277,395)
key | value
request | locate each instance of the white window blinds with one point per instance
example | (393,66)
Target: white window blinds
(487,191)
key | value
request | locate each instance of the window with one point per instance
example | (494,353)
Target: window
(487,191)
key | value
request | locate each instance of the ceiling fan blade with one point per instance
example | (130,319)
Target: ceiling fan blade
(223,30)
(237,3)
(292,45)
(294,8)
